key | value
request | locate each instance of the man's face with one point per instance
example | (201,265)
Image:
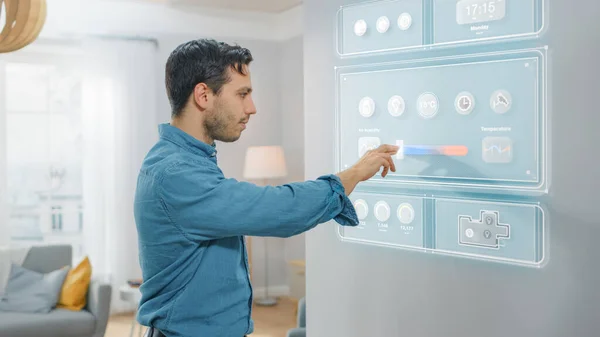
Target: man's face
(231,109)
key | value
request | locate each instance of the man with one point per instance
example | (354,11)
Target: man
(191,220)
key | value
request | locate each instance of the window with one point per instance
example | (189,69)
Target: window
(80,218)
(56,218)
(43,161)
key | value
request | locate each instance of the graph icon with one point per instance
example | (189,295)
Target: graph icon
(497,150)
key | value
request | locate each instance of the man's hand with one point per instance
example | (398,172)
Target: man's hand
(368,166)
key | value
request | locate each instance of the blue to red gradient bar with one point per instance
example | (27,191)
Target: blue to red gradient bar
(431,150)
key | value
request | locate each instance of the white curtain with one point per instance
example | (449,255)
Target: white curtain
(119,100)
(4,229)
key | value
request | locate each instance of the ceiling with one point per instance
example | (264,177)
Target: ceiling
(266,6)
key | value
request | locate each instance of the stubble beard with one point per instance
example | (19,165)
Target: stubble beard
(216,125)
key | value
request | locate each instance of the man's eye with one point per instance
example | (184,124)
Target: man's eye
(244,95)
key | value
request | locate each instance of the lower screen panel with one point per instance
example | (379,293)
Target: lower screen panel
(395,220)
(505,232)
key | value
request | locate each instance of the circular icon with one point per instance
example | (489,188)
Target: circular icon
(382,211)
(362,209)
(469,233)
(404,21)
(464,103)
(501,101)
(366,107)
(406,213)
(383,24)
(428,105)
(396,106)
(360,27)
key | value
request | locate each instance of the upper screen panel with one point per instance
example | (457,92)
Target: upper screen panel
(398,25)
(382,26)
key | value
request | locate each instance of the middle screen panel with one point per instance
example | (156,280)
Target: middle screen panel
(475,121)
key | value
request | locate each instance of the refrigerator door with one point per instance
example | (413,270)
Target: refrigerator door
(490,224)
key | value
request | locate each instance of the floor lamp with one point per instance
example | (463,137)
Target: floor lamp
(263,163)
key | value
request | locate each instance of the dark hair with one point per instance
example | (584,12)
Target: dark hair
(201,61)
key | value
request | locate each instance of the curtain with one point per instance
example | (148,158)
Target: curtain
(119,117)
(4,229)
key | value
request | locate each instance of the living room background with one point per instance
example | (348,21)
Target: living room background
(94,114)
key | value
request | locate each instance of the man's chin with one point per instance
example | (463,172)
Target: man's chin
(229,139)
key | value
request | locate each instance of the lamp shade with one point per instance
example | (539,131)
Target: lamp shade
(265,162)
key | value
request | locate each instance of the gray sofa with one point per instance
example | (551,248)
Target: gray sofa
(89,322)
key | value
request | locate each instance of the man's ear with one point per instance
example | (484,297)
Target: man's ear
(202,96)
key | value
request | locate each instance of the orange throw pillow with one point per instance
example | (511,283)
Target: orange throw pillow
(73,295)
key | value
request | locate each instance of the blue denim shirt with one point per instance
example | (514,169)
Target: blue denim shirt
(192,222)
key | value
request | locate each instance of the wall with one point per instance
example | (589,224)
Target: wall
(75,18)
(292,109)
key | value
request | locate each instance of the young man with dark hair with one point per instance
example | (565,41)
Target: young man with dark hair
(192,220)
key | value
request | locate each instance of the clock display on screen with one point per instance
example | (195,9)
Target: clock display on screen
(476,11)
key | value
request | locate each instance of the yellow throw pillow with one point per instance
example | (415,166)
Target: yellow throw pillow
(75,287)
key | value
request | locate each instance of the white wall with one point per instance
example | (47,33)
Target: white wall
(133,18)
(275,42)
(292,131)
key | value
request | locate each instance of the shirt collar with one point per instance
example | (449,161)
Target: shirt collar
(179,137)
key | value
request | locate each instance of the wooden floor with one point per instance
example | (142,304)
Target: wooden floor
(268,321)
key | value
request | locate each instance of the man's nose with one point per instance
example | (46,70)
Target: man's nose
(250,108)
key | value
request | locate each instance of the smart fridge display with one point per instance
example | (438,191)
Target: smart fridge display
(471,126)
(405,25)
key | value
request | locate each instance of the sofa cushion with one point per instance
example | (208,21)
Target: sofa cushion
(73,295)
(45,259)
(57,323)
(28,291)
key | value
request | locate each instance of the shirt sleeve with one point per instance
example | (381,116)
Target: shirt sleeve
(206,205)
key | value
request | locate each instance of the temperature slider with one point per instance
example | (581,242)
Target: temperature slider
(427,150)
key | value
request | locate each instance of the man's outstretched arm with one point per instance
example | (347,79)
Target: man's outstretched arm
(206,205)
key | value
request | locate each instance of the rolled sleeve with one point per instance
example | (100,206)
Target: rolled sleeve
(345,214)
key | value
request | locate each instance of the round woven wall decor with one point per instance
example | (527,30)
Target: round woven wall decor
(24,22)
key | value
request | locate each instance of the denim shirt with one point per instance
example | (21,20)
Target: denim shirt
(192,222)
